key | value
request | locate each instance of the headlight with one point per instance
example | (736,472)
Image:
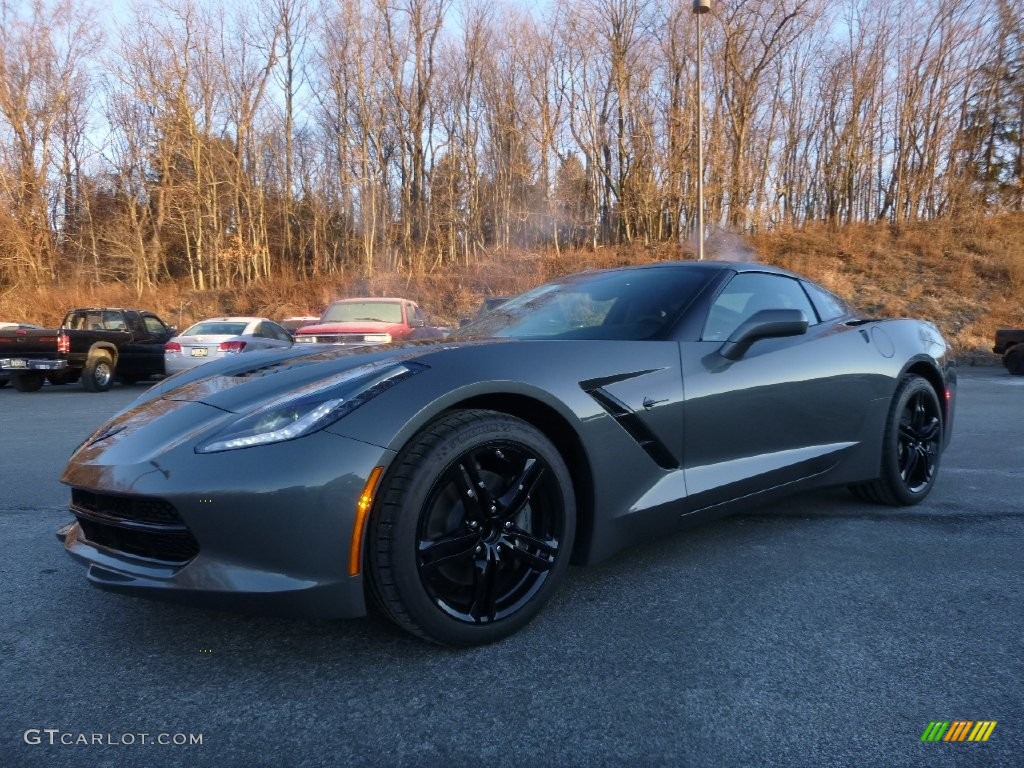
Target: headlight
(307,338)
(312,408)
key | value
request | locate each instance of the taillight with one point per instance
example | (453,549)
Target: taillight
(172,346)
(63,343)
(232,346)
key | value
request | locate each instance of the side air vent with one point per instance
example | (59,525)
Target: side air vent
(633,424)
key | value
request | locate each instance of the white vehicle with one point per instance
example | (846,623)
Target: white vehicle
(222,336)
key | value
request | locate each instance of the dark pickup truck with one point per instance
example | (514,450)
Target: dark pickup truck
(92,346)
(1010,344)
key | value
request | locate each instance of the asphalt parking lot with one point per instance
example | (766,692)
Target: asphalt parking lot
(821,631)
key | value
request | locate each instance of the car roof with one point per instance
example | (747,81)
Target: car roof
(111,309)
(369,299)
(738,266)
(233,319)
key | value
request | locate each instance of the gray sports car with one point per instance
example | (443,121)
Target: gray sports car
(452,482)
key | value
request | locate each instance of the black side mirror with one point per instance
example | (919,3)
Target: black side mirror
(766,324)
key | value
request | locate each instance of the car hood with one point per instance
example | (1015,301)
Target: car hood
(362,326)
(241,384)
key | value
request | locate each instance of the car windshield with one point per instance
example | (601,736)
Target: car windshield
(630,305)
(215,328)
(366,311)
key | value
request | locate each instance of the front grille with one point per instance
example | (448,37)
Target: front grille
(341,338)
(135,525)
(138,509)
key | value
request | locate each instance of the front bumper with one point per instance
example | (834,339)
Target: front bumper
(270,527)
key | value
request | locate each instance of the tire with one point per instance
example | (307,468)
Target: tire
(98,374)
(911,447)
(28,382)
(472,530)
(1014,362)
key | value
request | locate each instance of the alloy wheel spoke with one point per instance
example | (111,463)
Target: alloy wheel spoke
(470,472)
(910,457)
(468,491)
(484,588)
(546,547)
(930,430)
(532,560)
(917,412)
(928,459)
(450,548)
(518,496)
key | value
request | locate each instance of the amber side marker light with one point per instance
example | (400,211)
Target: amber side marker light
(362,510)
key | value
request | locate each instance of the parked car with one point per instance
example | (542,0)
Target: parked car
(451,483)
(93,345)
(292,324)
(7,326)
(369,321)
(1010,344)
(220,337)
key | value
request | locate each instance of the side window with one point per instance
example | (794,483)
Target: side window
(134,322)
(113,321)
(154,326)
(748,293)
(275,331)
(829,305)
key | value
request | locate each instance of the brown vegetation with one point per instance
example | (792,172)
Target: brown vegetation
(966,278)
(268,155)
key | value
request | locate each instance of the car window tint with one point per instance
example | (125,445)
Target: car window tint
(364,311)
(277,332)
(113,321)
(829,305)
(748,293)
(631,305)
(215,329)
(154,326)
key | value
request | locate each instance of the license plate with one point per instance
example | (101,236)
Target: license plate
(16,363)
(199,351)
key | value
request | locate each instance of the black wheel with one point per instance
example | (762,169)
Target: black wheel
(28,382)
(1014,361)
(472,530)
(911,447)
(98,374)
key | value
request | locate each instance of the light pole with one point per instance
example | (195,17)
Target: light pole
(700,7)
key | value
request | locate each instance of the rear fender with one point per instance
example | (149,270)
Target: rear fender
(100,346)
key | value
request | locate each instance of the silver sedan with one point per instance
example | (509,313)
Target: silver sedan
(220,337)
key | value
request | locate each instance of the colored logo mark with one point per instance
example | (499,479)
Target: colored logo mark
(959,730)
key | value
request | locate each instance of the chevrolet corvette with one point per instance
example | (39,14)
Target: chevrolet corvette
(450,483)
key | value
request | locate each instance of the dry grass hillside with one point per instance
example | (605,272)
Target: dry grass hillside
(968,278)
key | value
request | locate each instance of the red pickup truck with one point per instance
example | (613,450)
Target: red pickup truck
(369,321)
